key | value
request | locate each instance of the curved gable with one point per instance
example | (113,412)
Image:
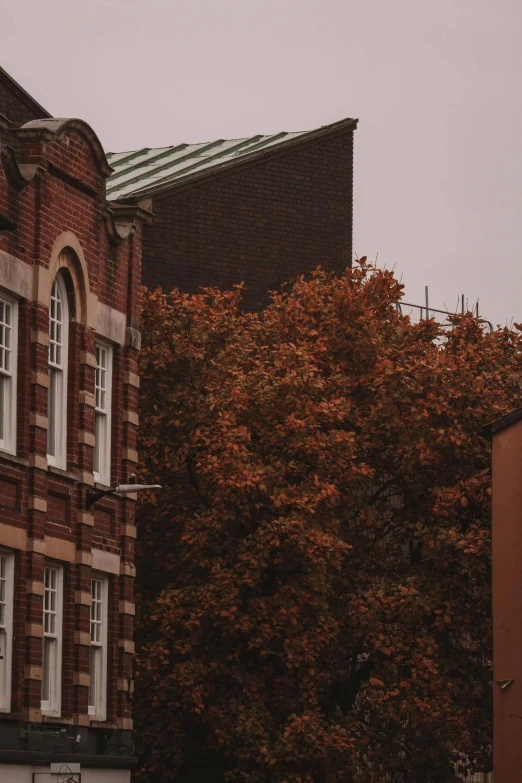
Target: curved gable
(61,128)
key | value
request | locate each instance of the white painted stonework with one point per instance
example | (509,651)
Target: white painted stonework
(24,773)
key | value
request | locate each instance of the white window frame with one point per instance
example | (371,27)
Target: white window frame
(102,414)
(57,392)
(97,707)
(8,372)
(53,638)
(7,561)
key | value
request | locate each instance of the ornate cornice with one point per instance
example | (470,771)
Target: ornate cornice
(116,231)
(130,212)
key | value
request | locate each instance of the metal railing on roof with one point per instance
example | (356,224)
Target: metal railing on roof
(419,313)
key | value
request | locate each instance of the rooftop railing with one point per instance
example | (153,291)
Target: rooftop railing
(419,313)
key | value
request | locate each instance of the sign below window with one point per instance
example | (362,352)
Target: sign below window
(59,773)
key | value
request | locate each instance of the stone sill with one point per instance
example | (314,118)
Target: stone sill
(5,456)
(68,474)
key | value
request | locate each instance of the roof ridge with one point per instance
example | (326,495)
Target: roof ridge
(24,94)
(152,172)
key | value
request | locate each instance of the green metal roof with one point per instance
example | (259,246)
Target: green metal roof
(147,171)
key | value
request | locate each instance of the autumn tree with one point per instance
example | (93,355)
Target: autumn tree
(314,579)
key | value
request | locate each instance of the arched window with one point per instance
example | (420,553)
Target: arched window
(57,399)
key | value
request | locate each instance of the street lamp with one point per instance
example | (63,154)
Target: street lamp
(93,495)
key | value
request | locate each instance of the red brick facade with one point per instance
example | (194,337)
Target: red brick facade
(263,223)
(54,218)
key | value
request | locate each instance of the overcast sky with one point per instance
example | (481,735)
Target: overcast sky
(435,85)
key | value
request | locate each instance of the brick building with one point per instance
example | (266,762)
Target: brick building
(260,210)
(506,437)
(69,285)
(16,105)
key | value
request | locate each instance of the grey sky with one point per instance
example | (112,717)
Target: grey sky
(435,85)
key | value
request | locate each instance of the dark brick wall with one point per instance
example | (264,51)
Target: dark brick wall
(17,107)
(263,225)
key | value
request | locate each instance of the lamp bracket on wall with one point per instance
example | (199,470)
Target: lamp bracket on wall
(93,495)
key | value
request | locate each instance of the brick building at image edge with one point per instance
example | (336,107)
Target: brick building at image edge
(79,231)
(69,287)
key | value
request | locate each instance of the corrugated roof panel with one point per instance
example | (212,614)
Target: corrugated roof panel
(139,172)
(165,161)
(132,161)
(207,159)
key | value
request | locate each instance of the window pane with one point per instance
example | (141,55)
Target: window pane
(56,321)
(103,381)
(3,662)
(3,590)
(54,400)
(101,376)
(97,659)
(52,639)
(96,611)
(50,601)
(5,336)
(46,666)
(94,657)
(100,429)
(51,413)
(6,630)
(57,397)
(3,407)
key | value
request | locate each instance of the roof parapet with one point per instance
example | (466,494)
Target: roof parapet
(46,129)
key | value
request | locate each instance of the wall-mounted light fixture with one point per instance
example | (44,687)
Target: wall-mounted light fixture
(93,495)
